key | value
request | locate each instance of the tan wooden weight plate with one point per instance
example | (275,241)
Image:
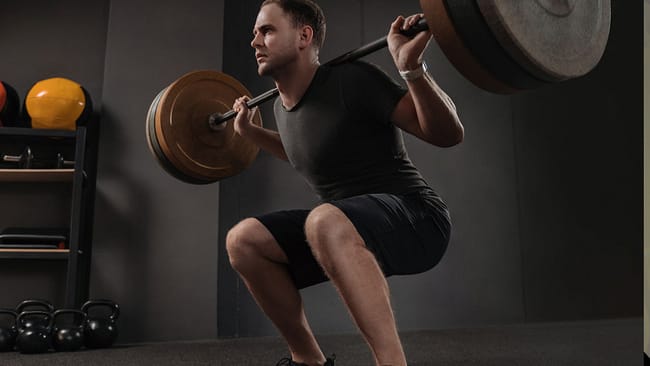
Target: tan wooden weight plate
(154,146)
(189,146)
(554,40)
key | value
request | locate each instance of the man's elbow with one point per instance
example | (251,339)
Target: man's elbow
(459,136)
(449,142)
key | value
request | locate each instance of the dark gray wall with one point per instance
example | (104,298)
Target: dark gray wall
(544,191)
(155,236)
(579,150)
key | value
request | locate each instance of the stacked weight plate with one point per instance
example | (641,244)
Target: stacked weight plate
(180,138)
(505,46)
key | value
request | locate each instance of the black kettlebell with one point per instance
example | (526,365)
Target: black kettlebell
(44,305)
(68,339)
(9,333)
(100,332)
(36,338)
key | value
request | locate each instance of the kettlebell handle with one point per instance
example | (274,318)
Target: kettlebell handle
(10,312)
(34,302)
(82,315)
(108,303)
(45,314)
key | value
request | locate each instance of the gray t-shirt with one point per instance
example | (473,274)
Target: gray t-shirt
(340,137)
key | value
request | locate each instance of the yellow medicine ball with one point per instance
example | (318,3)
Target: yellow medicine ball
(56,103)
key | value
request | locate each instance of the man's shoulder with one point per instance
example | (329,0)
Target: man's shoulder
(360,69)
(358,65)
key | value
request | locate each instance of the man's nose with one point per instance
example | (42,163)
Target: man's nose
(255,42)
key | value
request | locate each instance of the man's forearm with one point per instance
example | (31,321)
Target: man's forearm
(266,139)
(436,111)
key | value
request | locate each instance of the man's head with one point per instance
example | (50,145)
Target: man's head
(285,32)
(304,12)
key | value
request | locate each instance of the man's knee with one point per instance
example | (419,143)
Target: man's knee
(242,242)
(330,233)
(250,241)
(323,223)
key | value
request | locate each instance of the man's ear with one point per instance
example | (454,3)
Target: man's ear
(306,36)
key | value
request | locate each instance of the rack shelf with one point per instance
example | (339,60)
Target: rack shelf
(60,254)
(36,175)
(17,132)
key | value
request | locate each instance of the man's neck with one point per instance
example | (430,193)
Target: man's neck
(293,85)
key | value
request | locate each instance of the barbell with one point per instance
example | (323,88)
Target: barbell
(501,46)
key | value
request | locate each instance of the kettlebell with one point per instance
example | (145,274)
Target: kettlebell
(100,332)
(36,338)
(35,303)
(9,333)
(68,339)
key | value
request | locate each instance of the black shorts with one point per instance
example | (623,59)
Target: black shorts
(408,234)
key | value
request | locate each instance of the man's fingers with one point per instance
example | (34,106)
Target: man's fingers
(397,24)
(411,21)
(239,104)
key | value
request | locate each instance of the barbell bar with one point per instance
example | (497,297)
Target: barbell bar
(501,46)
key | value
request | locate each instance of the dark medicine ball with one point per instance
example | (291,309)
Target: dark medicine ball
(9,106)
(57,103)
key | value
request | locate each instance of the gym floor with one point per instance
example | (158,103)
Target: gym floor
(593,343)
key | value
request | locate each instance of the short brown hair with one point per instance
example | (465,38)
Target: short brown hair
(304,12)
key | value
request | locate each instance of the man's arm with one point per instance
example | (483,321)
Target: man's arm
(426,111)
(266,139)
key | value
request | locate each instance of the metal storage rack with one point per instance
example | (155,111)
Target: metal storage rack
(84,143)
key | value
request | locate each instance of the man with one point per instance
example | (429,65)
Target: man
(338,126)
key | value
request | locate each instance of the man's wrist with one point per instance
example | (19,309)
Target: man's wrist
(410,75)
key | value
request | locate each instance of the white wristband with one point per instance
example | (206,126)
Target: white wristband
(410,75)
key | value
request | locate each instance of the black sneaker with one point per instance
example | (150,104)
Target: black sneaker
(289,362)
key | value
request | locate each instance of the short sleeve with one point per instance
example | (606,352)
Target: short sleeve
(369,91)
